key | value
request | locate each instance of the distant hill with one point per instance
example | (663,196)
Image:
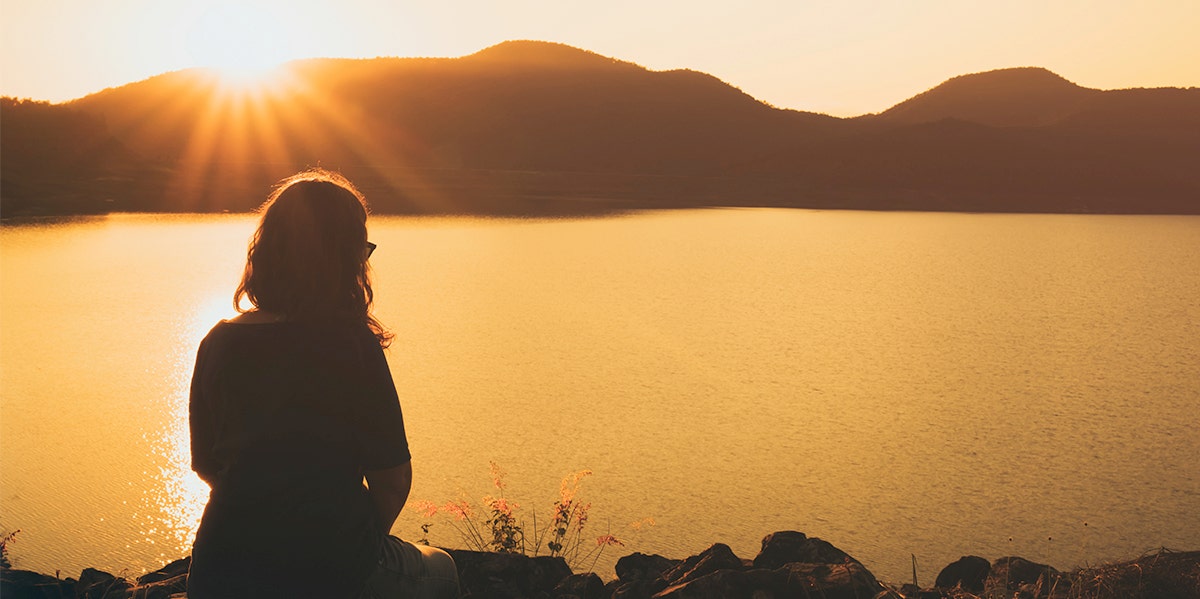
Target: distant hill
(1021,97)
(535,127)
(518,105)
(57,159)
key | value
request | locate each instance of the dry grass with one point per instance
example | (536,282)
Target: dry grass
(1161,575)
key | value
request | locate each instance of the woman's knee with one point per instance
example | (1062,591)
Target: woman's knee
(441,575)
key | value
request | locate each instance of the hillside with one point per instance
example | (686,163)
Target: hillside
(519,105)
(1021,97)
(535,127)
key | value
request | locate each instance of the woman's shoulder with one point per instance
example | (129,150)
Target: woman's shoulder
(267,325)
(241,327)
(254,317)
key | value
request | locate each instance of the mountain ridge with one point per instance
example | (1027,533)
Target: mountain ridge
(527,126)
(1023,96)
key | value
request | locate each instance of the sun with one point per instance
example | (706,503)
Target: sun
(243,42)
(246,78)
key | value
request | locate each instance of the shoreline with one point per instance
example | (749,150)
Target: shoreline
(790,564)
(597,208)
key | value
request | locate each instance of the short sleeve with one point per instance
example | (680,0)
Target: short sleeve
(201,419)
(383,442)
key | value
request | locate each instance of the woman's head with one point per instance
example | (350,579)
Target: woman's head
(308,258)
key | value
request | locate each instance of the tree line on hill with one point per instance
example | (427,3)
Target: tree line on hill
(540,128)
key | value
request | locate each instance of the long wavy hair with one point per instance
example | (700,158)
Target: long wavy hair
(307,260)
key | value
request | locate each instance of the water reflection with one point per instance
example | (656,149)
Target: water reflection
(895,383)
(178,495)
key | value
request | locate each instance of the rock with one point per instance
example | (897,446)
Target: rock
(717,557)
(912,591)
(23,584)
(171,570)
(720,584)
(785,547)
(969,573)
(1013,573)
(638,589)
(847,580)
(639,566)
(97,584)
(161,589)
(163,583)
(581,586)
(508,575)
(789,565)
(644,576)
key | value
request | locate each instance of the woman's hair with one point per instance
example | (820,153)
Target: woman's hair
(308,259)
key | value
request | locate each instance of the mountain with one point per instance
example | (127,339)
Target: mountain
(1021,97)
(57,159)
(535,127)
(518,105)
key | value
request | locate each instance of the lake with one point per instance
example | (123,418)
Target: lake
(899,384)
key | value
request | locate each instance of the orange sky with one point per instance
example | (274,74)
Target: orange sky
(840,57)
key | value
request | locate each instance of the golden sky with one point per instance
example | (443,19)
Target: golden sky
(842,57)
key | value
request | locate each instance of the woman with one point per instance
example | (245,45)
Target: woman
(292,406)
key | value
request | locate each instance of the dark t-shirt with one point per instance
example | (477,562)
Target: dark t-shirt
(285,419)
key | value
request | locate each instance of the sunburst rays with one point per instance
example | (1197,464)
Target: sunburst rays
(241,137)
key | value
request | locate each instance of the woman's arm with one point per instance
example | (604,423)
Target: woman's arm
(389,491)
(200,421)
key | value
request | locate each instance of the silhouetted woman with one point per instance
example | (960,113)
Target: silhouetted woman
(292,406)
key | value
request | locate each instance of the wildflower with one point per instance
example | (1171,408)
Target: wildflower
(427,508)
(608,540)
(497,475)
(500,504)
(567,490)
(461,509)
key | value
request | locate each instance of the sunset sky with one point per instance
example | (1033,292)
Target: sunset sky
(839,57)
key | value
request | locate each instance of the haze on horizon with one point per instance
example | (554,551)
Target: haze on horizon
(840,58)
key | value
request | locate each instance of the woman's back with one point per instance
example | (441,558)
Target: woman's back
(286,417)
(293,408)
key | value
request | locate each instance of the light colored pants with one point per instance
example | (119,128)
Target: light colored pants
(412,571)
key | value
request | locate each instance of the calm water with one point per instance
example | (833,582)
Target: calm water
(895,383)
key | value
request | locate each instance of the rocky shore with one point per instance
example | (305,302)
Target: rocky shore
(790,564)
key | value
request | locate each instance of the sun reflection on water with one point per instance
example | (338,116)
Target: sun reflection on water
(180,495)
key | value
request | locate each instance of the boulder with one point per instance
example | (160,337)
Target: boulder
(639,566)
(171,570)
(581,586)
(1014,573)
(97,584)
(789,565)
(847,580)
(789,546)
(508,575)
(161,589)
(644,576)
(720,584)
(969,573)
(638,589)
(717,557)
(23,584)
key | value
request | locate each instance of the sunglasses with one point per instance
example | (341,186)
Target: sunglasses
(370,248)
